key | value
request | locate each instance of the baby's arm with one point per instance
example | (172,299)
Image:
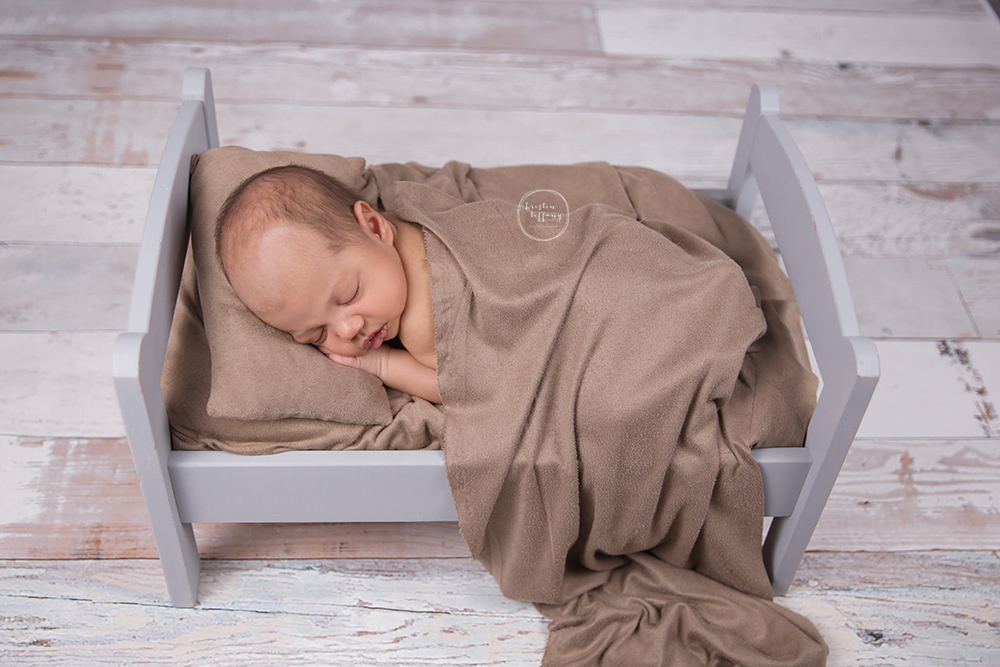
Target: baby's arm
(397,368)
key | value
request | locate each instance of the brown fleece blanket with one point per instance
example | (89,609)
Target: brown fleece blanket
(602,391)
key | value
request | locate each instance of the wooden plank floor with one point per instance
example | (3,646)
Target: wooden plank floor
(895,104)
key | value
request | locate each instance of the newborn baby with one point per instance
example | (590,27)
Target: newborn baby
(308,257)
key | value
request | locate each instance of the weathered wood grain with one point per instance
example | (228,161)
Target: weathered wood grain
(74,204)
(929,389)
(79,498)
(914,220)
(966,7)
(978,279)
(346,76)
(73,286)
(76,287)
(699,147)
(107,205)
(65,287)
(727,33)
(902,609)
(72,632)
(924,290)
(900,495)
(58,384)
(548,26)
(426,612)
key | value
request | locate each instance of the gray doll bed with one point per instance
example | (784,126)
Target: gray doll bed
(185,487)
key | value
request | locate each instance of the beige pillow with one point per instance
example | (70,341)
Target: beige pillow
(258,372)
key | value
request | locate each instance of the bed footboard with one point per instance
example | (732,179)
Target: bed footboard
(769,163)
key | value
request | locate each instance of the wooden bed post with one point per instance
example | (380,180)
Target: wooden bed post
(137,359)
(742,189)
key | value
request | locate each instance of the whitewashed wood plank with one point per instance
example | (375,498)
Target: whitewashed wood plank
(306,615)
(911,624)
(914,219)
(80,498)
(912,152)
(70,632)
(56,287)
(929,40)
(911,619)
(925,392)
(966,7)
(58,384)
(309,74)
(107,205)
(987,365)
(907,297)
(842,570)
(903,495)
(911,220)
(84,131)
(887,609)
(74,204)
(979,282)
(133,132)
(75,498)
(479,25)
(332,540)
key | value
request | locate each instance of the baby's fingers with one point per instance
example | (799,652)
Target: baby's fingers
(361,363)
(343,360)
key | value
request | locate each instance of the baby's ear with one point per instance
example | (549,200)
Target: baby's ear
(372,220)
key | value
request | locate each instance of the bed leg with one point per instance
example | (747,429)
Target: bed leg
(145,419)
(841,406)
(180,561)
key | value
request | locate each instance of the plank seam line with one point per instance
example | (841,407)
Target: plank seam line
(961,297)
(214,608)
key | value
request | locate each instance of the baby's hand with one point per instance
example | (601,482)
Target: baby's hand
(372,361)
(396,367)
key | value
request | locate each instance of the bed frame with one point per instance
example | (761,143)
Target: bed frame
(185,487)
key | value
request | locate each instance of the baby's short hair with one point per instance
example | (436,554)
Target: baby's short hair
(294,194)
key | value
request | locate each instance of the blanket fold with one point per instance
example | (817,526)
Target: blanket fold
(601,399)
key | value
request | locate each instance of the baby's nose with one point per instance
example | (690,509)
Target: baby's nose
(350,326)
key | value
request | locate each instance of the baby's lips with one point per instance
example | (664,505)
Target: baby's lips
(324,350)
(376,340)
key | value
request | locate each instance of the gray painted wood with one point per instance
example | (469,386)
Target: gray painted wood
(137,360)
(768,161)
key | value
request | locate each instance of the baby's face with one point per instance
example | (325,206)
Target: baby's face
(348,301)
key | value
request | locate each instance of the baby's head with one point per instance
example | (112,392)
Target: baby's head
(306,255)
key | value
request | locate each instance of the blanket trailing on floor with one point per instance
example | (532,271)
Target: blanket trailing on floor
(603,382)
